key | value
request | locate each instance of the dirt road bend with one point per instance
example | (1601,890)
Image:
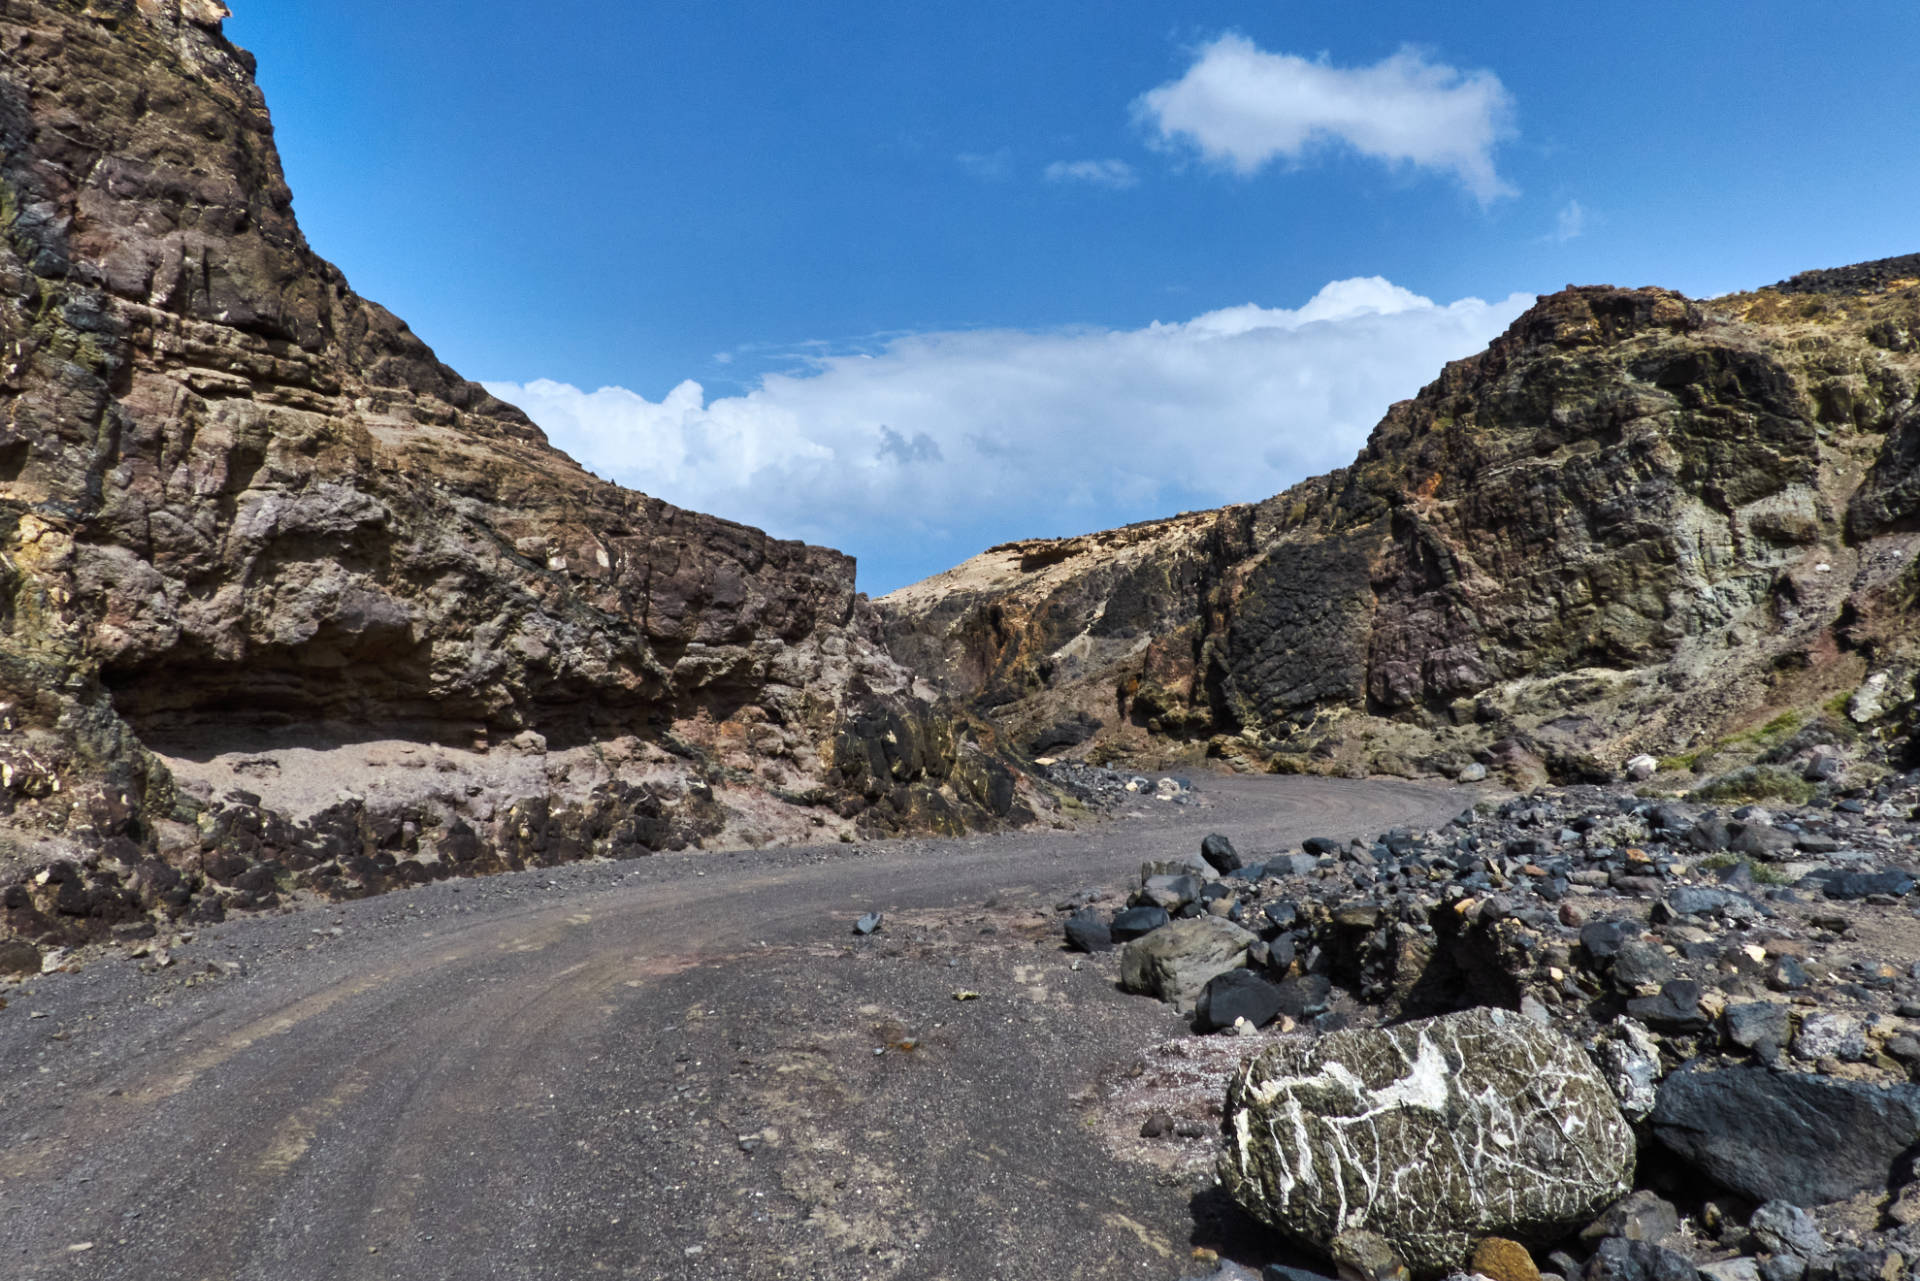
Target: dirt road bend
(684,1066)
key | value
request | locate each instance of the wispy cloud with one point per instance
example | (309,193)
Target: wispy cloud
(1243,107)
(935,445)
(987,166)
(1570,222)
(1117,174)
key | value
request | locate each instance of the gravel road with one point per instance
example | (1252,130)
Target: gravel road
(683,1066)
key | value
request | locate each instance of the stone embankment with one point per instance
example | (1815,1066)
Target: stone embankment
(1580,1034)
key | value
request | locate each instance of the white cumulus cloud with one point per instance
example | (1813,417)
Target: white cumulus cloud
(1099,173)
(940,444)
(1243,107)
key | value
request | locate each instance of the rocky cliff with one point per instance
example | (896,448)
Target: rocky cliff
(285,601)
(1636,523)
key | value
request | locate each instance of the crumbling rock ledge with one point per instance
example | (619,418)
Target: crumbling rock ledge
(1637,523)
(260,552)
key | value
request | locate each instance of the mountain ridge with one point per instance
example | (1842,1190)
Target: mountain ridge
(1632,521)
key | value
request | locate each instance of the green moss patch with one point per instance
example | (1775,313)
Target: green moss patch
(1756,783)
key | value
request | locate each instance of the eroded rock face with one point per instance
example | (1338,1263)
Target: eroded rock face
(1027,617)
(1432,1134)
(1628,526)
(243,510)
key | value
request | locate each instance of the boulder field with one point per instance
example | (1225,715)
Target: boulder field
(1578,1033)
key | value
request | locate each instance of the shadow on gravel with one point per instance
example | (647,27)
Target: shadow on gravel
(1220,1225)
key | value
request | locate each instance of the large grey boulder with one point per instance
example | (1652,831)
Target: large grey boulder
(1176,961)
(1170,892)
(1785,1136)
(1432,1134)
(1781,1227)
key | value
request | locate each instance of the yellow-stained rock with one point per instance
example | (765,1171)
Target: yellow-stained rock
(1504,1260)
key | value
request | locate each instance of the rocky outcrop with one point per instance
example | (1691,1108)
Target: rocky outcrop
(1635,523)
(282,596)
(1049,612)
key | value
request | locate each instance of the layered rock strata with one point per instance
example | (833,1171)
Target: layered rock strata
(285,600)
(1635,523)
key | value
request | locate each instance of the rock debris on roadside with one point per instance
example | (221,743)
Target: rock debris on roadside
(1738,987)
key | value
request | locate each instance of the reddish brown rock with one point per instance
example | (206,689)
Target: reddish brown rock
(256,541)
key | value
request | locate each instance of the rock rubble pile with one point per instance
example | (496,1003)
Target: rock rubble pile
(1100,787)
(1740,982)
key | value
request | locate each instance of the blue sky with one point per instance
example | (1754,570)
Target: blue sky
(910,280)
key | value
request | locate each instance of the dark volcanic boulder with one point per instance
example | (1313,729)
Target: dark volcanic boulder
(1086,932)
(1838,883)
(1237,994)
(1707,900)
(1219,853)
(1641,962)
(1676,1009)
(1602,940)
(1137,922)
(1621,1259)
(1781,1227)
(1761,1026)
(1762,840)
(1776,1135)
(1432,1134)
(1643,1216)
